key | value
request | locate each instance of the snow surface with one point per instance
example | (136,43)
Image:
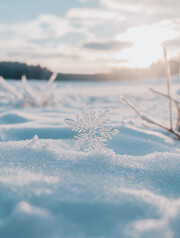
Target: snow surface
(48,190)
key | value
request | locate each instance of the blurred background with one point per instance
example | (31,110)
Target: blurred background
(88,39)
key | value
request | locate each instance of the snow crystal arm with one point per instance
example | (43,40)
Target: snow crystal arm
(77,125)
(70,122)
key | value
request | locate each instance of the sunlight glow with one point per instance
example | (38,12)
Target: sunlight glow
(147,44)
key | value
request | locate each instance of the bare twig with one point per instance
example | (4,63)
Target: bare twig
(168,86)
(150,120)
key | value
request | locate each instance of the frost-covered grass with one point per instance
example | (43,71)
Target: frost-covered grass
(24,95)
(49,190)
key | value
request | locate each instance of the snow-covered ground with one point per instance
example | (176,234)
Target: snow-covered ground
(48,190)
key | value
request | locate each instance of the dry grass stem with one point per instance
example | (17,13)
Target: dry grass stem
(168,85)
(150,120)
(177,103)
(165,95)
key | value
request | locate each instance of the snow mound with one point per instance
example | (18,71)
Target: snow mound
(61,192)
(12,118)
(50,190)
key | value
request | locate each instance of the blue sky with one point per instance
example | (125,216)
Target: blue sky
(88,36)
(22,10)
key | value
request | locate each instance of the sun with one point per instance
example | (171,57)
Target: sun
(147,44)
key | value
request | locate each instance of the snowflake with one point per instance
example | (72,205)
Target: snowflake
(93,130)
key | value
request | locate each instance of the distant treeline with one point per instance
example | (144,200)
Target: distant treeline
(14,70)
(156,70)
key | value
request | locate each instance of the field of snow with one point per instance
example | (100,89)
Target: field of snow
(48,190)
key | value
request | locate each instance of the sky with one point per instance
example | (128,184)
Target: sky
(89,36)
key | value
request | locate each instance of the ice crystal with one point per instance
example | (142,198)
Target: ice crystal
(93,130)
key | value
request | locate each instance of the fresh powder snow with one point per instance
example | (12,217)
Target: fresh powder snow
(50,190)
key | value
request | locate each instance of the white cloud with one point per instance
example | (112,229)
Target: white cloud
(161,9)
(48,39)
(131,6)
(45,26)
(83,1)
(92,17)
(147,44)
(40,41)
